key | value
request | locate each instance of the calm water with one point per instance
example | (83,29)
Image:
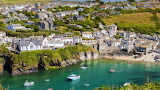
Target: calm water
(96,75)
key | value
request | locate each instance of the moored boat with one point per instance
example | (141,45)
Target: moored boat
(50,89)
(112,70)
(73,77)
(86,84)
(47,80)
(28,83)
(83,67)
(126,84)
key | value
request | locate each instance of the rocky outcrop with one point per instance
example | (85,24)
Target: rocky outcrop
(83,56)
(25,70)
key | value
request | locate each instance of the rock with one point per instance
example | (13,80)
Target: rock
(73,61)
(20,71)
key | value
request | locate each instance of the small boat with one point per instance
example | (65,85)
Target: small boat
(83,67)
(126,84)
(47,80)
(28,83)
(50,89)
(112,70)
(73,77)
(86,84)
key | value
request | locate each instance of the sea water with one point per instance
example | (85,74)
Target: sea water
(96,74)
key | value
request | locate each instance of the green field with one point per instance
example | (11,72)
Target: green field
(134,19)
(140,21)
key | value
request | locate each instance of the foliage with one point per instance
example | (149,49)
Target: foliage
(29,14)
(146,86)
(27,33)
(46,58)
(118,36)
(131,0)
(2,88)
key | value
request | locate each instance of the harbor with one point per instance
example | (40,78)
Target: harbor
(95,75)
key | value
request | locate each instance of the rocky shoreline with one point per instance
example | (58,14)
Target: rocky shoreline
(82,56)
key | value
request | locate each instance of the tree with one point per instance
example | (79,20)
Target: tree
(131,0)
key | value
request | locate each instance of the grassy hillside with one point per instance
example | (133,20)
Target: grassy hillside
(138,22)
(135,19)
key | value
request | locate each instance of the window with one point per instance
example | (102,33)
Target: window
(31,46)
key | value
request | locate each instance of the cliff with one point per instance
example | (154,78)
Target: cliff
(32,61)
(86,55)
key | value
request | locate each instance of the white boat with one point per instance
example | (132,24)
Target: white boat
(126,84)
(28,83)
(47,80)
(50,89)
(83,67)
(112,70)
(86,84)
(73,77)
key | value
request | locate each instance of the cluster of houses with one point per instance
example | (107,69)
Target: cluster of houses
(103,40)
(47,17)
(127,5)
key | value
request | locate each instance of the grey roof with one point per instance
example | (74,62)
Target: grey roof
(79,16)
(16,25)
(26,43)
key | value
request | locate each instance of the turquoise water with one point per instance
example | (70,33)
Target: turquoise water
(96,75)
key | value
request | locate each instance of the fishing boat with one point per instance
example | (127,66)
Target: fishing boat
(83,67)
(112,70)
(126,84)
(73,77)
(86,84)
(28,83)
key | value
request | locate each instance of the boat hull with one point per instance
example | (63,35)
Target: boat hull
(74,78)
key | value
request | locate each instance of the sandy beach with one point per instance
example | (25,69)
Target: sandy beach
(146,58)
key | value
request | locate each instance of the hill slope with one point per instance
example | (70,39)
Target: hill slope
(140,22)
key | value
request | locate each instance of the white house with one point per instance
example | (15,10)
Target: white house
(41,39)
(56,44)
(88,35)
(77,39)
(17,7)
(15,27)
(29,46)
(89,42)
(68,39)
